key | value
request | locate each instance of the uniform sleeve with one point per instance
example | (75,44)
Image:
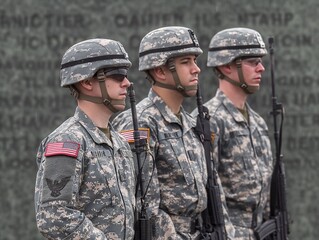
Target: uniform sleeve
(216,138)
(58,181)
(230,230)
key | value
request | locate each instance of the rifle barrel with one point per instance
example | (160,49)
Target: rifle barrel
(143,225)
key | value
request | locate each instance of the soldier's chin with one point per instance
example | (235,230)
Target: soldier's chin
(119,107)
(191,93)
(253,88)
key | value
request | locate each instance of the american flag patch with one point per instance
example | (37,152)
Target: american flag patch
(129,134)
(70,149)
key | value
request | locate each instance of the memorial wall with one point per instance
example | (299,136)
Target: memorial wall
(34,34)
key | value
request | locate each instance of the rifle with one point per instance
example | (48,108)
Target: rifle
(213,218)
(143,223)
(277,227)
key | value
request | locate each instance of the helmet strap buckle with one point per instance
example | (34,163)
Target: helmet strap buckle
(244,85)
(180,88)
(106,102)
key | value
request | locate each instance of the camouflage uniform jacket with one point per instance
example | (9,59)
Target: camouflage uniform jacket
(177,192)
(245,165)
(85,183)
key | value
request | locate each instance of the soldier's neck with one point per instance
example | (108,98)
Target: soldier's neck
(236,95)
(98,113)
(172,98)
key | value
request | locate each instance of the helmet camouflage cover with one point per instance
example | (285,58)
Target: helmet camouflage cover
(161,44)
(230,44)
(84,59)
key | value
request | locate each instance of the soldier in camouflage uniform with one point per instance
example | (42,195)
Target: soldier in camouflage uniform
(176,194)
(241,136)
(85,182)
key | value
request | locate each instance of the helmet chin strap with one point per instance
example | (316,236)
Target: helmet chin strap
(105,99)
(242,84)
(178,86)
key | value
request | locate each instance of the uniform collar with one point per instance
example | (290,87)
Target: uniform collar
(234,112)
(187,121)
(96,134)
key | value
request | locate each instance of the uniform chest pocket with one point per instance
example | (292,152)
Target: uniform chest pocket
(174,159)
(125,165)
(236,144)
(264,143)
(238,154)
(107,176)
(95,182)
(263,151)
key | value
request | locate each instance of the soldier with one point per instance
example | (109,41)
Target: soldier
(245,164)
(85,181)
(176,193)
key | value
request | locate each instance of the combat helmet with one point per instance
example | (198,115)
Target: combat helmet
(161,45)
(234,44)
(94,56)
(84,59)
(230,44)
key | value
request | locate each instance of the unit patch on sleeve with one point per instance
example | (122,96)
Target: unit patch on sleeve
(57,185)
(58,178)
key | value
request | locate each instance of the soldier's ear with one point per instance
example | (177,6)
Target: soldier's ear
(87,84)
(159,73)
(225,69)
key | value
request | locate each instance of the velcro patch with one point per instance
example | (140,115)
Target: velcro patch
(58,176)
(70,149)
(144,133)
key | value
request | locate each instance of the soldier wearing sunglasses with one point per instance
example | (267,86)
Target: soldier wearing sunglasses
(85,185)
(241,151)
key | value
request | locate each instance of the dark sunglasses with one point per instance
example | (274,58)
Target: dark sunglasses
(117,77)
(117,74)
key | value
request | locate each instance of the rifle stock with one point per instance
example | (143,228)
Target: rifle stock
(143,223)
(277,227)
(213,218)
